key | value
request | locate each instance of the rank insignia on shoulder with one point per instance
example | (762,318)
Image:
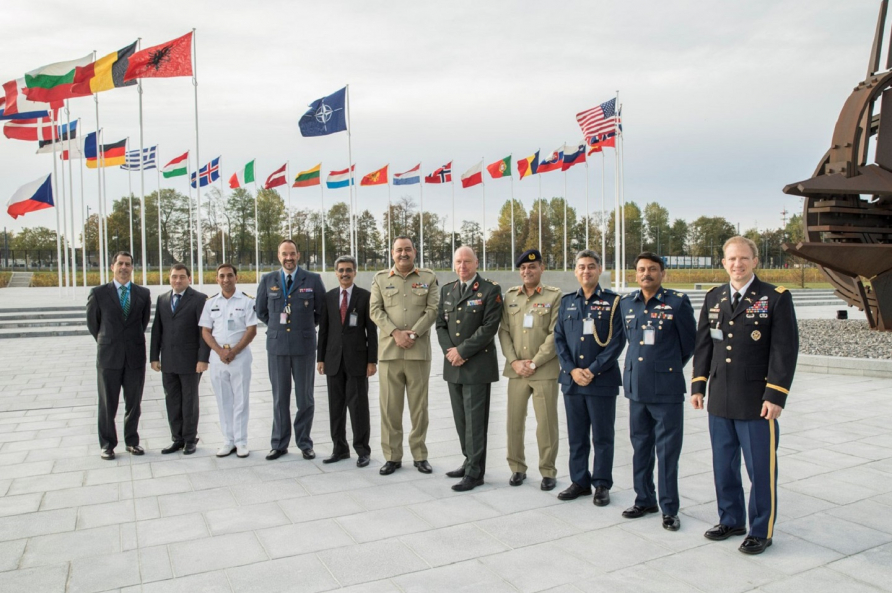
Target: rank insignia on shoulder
(213,296)
(780,289)
(250,296)
(493,282)
(713,288)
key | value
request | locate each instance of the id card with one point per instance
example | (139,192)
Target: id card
(230,325)
(528,320)
(283,317)
(650,335)
(588,326)
(716,334)
(354,319)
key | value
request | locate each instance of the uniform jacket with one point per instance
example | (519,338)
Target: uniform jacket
(534,343)
(408,304)
(754,357)
(119,342)
(470,322)
(297,336)
(576,350)
(176,336)
(356,347)
(654,373)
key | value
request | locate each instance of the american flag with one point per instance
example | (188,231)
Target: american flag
(600,122)
(441,175)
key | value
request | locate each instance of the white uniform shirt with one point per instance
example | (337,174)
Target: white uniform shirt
(228,319)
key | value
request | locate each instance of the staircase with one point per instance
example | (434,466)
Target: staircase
(20,280)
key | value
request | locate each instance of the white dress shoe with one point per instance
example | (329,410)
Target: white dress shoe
(225,450)
(242,450)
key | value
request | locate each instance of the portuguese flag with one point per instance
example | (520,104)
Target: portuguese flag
(243,177)
(500,168)
(308,178)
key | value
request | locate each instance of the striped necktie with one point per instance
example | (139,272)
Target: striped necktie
(125,301)
(175,302)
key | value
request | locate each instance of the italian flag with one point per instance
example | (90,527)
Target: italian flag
(243,177)
(500,168)
(177,167)
(308,178)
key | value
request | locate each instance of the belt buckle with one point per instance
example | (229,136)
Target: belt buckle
(226,346)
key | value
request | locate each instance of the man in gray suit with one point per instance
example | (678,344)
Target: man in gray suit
(177,344)
(289,302)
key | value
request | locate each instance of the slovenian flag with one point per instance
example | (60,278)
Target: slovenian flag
(338,179)
(410,177)
(31,197)
(573,155)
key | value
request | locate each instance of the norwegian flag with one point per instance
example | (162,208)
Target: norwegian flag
(599,123)
(441,175)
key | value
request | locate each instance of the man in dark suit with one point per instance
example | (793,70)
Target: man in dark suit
(467,323)
(289,302)
(117,317)
(348,354)
(747,347)
(178,346)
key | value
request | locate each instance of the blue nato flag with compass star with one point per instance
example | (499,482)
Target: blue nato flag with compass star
(325,116)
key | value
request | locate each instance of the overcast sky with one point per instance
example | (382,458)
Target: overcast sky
(724,102)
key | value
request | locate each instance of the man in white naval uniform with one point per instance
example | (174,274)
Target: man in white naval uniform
(229,324)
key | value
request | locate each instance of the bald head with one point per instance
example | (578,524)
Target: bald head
(465,263)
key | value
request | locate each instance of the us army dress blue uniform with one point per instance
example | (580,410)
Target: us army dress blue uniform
(661,334)
(747,356)
(291,317)
(591,410)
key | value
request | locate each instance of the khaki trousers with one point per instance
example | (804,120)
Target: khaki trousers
(399,377)
(545,397)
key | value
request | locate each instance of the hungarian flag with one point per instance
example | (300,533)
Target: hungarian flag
(243,177)
(30,130)
(308,178)
(552,163)
(277,178)
(501,168)
(173,58)
(528,166)
(473,176)
(107,155)
(105,74)
(378,177)
(177,167)
(441,175)
(36,195)
(55,82)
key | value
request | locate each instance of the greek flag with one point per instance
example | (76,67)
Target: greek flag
(148,159)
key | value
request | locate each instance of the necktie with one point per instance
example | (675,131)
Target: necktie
(125,301)
(175,302)
(343,306)
(288,284)
(464,287)
(736,301)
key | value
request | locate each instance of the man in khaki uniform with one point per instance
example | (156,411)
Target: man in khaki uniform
(404,307)
(532,368)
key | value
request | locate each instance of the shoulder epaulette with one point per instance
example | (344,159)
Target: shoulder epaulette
(493,282)
(625,296)
(569,294)
(713,288)
(382,272)
(780,289)
(213,296)
(678,294)
(250,296)
(453,282)
(515,288)
(552,288)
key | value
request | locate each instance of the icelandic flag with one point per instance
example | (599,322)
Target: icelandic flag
(338,179)
(33,196)
(133,160)
(410,177)
(573,155)
(325,116)
(207,174)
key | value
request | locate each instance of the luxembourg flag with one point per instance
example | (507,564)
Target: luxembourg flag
(410,177)
(338,179)
(31,197)
(473,176)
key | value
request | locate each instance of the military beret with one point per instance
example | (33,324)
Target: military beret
(528,256)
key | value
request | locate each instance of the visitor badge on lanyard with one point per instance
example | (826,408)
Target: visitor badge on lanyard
(283,317)
(354,319)
(588,326)
(650,334)
(528,320)
(230,324)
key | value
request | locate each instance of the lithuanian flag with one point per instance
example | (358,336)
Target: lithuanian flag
(308,178)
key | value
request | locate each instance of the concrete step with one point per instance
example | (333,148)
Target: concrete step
(20,280)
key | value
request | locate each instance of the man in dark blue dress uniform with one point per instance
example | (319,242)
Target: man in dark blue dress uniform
(588,338)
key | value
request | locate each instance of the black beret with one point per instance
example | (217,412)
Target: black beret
(528,256)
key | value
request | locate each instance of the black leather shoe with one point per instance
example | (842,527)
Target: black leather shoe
(754,545)
(108,454)
(136,450)
(275,454)
(336,458)
(390,467)
(548,484)
(517,479)
(467,483)
(671,522)
(602,496)
(634,512)
(189,449)
(362,461)
(456,473)
(174,447)
(574,492)
(308,453)
(424,467)
(721,532)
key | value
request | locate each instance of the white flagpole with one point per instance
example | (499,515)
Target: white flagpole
(130,196)
(142,189)
(71,202)
(453,215)
(55,137)
(222,209)
(160,252)
(189,186)
(83,206)
(603,209)
(104,176)
(56,200)
(350,172)
(197,162)
(587,211)
(565,220)
(256,227)
(617,224)
(290,231)
(389,217)
(322,201)
(622,194)
(421,216)
(482,183)
(99,222)
(511,175)
(540,211)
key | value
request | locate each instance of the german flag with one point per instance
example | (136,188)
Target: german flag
(111,155)
(105,73)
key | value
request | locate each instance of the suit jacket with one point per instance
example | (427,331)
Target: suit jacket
(750,355)
(119,342)
(469,321)
(297,336)
(356,346)
(176,336)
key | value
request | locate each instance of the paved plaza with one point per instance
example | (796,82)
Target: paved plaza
(70,521)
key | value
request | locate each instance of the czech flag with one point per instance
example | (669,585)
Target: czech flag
(31,197)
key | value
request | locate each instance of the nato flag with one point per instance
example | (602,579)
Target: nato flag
(325,116)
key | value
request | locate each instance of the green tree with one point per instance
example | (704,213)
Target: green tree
(657,228)
(240,207)
(368,240)
(532,229)
(498,247)
(708,234)
(270,216)
(337,230)
(677,241)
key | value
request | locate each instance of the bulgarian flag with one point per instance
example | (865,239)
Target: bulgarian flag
(55,82)
(177,167)
(243,177)
(308,178)
(500,168)
(473,176)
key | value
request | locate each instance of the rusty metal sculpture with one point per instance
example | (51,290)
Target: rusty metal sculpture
(847,212)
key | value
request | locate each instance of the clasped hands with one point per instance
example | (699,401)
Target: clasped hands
(523,368)
(226,355)
(454,358)
(582,377)
(402,339)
